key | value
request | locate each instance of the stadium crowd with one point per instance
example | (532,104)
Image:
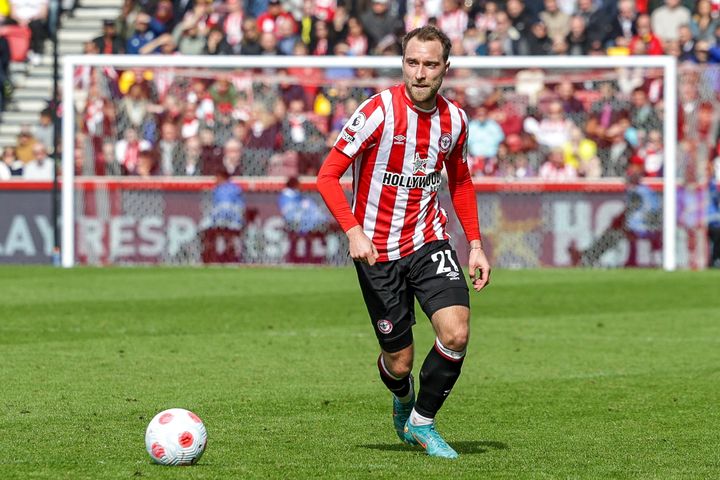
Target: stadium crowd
(527,123)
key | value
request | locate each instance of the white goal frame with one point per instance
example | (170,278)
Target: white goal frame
(666,63)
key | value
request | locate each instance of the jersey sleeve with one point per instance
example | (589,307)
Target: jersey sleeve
(461,187)
(363,129)
(328,184)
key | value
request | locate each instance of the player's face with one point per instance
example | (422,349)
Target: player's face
(423,71)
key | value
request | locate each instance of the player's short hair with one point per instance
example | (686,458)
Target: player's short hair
(429,33)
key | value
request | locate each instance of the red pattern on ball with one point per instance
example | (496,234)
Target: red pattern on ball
(165,418)
(157,450)
(195,417)
(185,439)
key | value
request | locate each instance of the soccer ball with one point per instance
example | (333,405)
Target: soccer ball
(176,437)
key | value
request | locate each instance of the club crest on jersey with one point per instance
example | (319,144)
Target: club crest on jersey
(419,164)
(357,122)
(445,142)
(385,326)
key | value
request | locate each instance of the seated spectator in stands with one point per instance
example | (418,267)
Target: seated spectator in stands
(274,17)
(25,144)
(553,130)
(305,223)
(505,39)
(170,151)
(105,162)
(704,22)
(134,111)
(192,157)
(538,41)
(338,21)
(189,122)
(356,39)
(109,42)
(211,154)
(519,17)
(597,24)
(651,154)
(5,172)
(642,113)
(667,19)
(190,35)
(578,40)
(44,131)
(268,44)
(572,106)
(286,38)
(453,20)
(555,168)
(605,114)
(217,44)
(581,154)
(262,140)
(556,20)
(33,15)
(220,230)
(623,27)
(147,163)
(301,135)
(41,167)
(523,168)
(232,24)
(127,151)
(378,22)
(484,138)
(250,43)
(141,36)
(645,42)
(686,45)
(11,162)
(232,156)
(417,16)
(163,20)
(321,41)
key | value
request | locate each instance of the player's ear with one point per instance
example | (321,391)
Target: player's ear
(447,66)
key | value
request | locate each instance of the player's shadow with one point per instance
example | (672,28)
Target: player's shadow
(467,447)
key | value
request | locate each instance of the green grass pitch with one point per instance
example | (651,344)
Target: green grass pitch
(570,374)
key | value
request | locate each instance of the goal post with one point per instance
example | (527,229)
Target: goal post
(478,66)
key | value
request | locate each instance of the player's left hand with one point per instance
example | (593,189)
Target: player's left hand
(479,268)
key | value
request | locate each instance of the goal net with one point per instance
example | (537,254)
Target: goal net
(574,160)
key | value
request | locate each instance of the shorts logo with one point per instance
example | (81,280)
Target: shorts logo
(385,326)
(445,142)
(357,122)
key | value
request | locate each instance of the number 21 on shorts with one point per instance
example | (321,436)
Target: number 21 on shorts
(439,258)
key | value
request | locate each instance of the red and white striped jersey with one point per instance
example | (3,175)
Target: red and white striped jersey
(399,151)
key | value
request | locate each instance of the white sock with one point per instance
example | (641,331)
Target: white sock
(418,420)
(411,393)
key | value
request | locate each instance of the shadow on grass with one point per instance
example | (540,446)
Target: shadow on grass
(467,447)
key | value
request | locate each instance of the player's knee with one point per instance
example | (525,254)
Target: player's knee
(456,340)
(399,364)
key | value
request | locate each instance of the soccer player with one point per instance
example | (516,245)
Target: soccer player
(398,142)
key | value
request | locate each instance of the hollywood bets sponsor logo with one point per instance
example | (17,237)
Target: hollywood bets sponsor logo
(430,181)
(385,326)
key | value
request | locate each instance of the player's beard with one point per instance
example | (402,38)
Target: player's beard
(421,95)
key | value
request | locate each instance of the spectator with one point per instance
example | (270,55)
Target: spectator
(651,154)
(356,39)
(713,220)
(211,154)
(645,42)
(417,16)
(553,130)
(623,27)
(519,16)
(686,45)
(232,153)
(32,14)
(642,113)
(667,19)
(555,168)
(193,157)
(163,20)
(142,35)
(378,22)
(578,40)
(250,43)
(268,44)
(453,21)
(484,138)
(286,38)
(505,40)
(571,105)
(261,141)
(5,172)
(217,44)
(555,19)
(127,151)
(221,229)
(11,162)
(597,24)
(301,135)
(25,143)
(134,110)
(44,131)
(232,24)
(703,23)
(147,163)
(190,35)
(274,17)
(109,42)
(170,150)
(538,41)
(41,167)
(6,84)
(321,42)
(581,154)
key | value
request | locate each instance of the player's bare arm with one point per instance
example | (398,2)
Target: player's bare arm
(478,266)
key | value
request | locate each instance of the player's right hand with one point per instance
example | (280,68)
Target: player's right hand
(361,247)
